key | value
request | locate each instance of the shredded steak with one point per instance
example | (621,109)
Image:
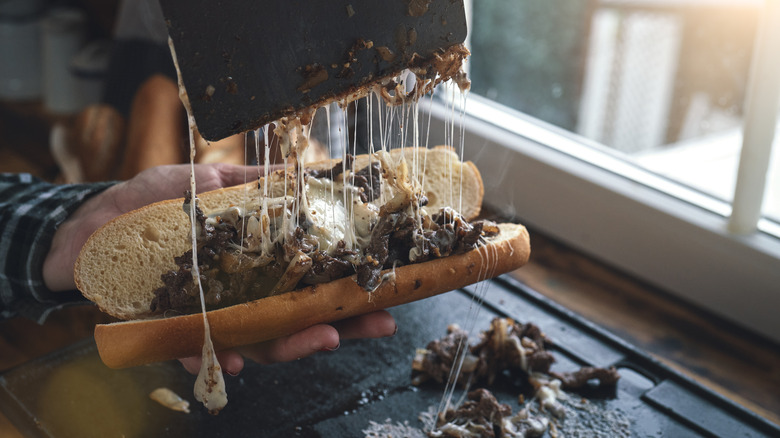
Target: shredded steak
(230,275)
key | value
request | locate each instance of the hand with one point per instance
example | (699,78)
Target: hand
(321,337)
(152,185)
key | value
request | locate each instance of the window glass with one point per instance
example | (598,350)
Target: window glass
(661,83)
(772,195)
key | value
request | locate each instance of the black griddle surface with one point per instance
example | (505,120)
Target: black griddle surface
(70,393)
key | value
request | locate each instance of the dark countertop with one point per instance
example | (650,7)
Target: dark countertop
(340,393)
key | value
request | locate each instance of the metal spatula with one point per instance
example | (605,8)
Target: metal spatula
(248,62)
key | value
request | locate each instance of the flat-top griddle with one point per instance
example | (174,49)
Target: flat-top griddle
(71,393)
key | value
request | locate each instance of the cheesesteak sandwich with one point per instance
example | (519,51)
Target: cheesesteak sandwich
(336,239)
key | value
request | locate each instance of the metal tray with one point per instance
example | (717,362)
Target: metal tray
(70,392)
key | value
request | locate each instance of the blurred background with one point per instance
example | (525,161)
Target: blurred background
(659,83)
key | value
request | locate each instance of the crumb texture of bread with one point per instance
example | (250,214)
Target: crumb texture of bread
(120,265)
(450,183)
(115,275)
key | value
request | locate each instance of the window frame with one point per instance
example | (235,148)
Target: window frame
(542,176)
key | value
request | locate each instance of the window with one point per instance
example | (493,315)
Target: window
(617,127)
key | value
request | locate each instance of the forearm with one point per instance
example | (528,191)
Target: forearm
(44,226)
(70,236)
(31,211)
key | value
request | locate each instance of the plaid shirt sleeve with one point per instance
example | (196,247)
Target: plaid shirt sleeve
(30,212)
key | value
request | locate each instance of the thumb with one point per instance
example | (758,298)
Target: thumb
(232,174)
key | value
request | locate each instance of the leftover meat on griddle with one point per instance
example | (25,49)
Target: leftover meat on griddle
(507,346)
(483,416)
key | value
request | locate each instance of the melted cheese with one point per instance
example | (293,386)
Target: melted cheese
(468,430)
(327,212)
(210,384)
(548,392)
(331,218)
(170,400)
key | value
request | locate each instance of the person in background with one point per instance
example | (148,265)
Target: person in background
(141,123)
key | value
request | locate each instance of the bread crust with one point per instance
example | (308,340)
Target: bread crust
(132,343)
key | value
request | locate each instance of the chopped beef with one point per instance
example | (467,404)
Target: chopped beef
(377,252)
(200,217)
(438,358)
(179,291)
(368,180)
(327,268)
(395,234)
(467,235)
(511,345)
(506,346)
(450,234)
(300,242)
(401,240)
(334,171)
(541,361)
(231,276)
(481,416)
(580,378)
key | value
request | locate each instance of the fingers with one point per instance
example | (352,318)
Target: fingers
(170,182)
(377,324)
(191,364)
(321,337)
(231,174)
(231,362)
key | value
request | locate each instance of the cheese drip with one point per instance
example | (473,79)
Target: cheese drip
(210,384)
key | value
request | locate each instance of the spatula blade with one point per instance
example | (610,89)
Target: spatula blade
(246,62)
